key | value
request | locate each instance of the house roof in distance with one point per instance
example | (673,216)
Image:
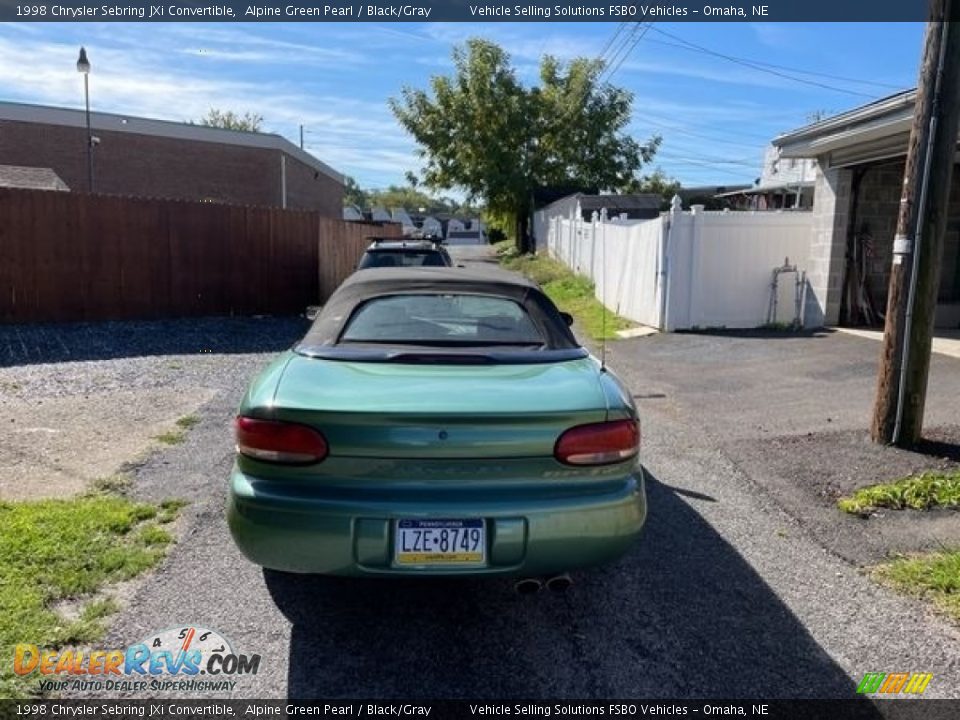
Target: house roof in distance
(30,178)
(771,188)
(620,203)
(23,112)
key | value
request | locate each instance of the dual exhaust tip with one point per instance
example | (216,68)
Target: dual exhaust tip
(531,586)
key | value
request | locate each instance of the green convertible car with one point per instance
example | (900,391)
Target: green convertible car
(437,421)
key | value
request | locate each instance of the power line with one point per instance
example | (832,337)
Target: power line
(703,163)
(701,136)
(858,81)
(713,168)
(621,51)
(721,132)
(637,35)
(758,66)
(720,161)
(620,28)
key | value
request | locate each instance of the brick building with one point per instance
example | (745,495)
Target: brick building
(860,158)
(143,157)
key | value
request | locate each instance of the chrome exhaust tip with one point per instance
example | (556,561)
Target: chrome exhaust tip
(559,583)
(527,586)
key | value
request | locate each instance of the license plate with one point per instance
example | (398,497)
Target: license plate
(440,542)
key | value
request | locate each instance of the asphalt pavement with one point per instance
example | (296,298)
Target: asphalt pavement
(724,596)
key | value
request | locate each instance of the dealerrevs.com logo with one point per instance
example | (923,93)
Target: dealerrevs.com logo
(185,659)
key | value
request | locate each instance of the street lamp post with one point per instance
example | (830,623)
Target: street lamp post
(83,66)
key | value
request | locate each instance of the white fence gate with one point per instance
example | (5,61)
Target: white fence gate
(685,270)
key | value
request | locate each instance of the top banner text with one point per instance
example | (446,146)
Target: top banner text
(465,11)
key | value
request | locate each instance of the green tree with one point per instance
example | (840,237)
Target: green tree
(248,122)
(482,131)
(660,184)
(353,194)
(406,197)
(409,197)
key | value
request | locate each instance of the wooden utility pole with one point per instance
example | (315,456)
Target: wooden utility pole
(921,225)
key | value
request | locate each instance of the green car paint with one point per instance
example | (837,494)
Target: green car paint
(435,442)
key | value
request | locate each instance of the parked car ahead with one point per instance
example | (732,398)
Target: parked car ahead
(404,253)
(436,421)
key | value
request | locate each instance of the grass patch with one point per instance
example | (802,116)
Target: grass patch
(187,422)
(118,483)
(934,576)
(57,550)
(177,436)
(780,326)
(90,626)
(918,492)
(171,437)
(153,536)
(169,509)
(571,293)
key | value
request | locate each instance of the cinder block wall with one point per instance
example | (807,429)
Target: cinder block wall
(831,207)
(879,202)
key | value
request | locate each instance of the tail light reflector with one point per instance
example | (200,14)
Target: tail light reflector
(280,442)
(599,443)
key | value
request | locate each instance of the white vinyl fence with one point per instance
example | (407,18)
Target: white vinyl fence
(686,269)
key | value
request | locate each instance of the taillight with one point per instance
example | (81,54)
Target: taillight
(599,443)
(280,442)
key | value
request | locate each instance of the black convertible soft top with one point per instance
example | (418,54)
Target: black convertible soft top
(322,339)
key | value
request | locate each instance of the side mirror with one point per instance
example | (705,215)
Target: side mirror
(567,318)
(312,312)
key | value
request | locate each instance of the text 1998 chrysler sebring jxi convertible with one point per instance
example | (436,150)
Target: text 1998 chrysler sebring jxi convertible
(436,421)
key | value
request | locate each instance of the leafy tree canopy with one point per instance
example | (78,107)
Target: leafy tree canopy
(660,184)
(482,131)
(409,197)
(248,122)
(353,194)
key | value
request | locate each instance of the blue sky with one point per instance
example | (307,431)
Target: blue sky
(715,116)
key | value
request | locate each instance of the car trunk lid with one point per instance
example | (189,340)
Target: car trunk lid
(411,410)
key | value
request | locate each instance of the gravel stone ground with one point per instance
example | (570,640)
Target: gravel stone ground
(84,401)
(792,412)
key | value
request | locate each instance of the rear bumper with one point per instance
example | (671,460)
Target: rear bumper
(354,535)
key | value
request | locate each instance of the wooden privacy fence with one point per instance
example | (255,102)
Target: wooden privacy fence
(67,256)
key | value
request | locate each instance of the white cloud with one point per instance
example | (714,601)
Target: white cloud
(353,135)
(334,79)
(245,46)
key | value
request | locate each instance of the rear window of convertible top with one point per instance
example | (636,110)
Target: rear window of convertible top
(387,258)
(441,320)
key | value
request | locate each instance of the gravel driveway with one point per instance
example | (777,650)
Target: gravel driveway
(725,595)
(82,401)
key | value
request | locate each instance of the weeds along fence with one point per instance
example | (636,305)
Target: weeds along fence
(69,256)
(685,269)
